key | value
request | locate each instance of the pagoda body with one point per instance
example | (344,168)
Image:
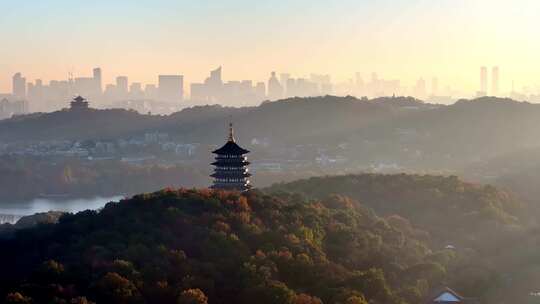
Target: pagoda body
(231,171)
(79,103)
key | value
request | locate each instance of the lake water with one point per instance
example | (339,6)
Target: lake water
(11,212)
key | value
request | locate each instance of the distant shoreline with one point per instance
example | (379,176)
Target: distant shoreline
(57,197)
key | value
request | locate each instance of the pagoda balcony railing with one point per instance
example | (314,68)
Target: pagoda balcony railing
(237,163)
(231,180)
(231,157)
(241,187)
(231,175)
(229,169)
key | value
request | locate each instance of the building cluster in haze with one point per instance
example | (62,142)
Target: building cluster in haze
(485,90)
(169,94)
(53,96)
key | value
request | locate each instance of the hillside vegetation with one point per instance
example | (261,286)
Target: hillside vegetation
(343,239)
(283,120)
(186,246)
(452,211)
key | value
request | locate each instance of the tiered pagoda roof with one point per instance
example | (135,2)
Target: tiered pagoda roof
(231,148)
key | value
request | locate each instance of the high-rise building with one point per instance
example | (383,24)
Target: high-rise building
(283,79)
(150,91)
(110,93)
(122,86)
(214,85)
(198,92)
(260,91)
(171,88)
(35,93)
(323,83)
(483,81)
(275,90)
(98,80)
(420,88)
(495,81)
(19,86)
(135,90)
(215,75)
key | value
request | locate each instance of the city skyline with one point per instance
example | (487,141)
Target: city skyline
(215,89)
(505,85)
(400,39)
(170,92)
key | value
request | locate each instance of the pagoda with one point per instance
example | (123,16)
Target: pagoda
(79,103)
(231,172)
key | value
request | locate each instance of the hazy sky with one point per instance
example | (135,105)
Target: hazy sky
(402,39)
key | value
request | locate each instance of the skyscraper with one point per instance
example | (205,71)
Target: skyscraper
(214,85)
(122,86)
(215,76)
(98,81)
(260,91)
(483,81)
(495,81)
(171,88)
(135,91)
(19,86)
(283,79)
(275,90)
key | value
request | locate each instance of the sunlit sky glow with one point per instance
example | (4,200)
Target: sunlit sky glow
(404,39)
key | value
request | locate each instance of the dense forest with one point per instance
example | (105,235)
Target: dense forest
(349,239)
(450,210)
(494,235)
(188,246)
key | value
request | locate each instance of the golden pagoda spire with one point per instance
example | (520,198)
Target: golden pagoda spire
(231,132)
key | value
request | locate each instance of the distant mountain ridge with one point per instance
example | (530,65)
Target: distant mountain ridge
(195,122)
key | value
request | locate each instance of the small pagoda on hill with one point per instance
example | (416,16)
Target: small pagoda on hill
(79,103)
(231,172)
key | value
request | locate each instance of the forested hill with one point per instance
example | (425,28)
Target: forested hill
(322,120)
(404,130)
(495,246)
(452,211)
(77,125)
(188,246)
(202,246)
(288,119)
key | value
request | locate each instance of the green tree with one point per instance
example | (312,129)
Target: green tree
(114,288)
(192,296)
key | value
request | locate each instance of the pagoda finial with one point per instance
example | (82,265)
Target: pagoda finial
(231,132)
